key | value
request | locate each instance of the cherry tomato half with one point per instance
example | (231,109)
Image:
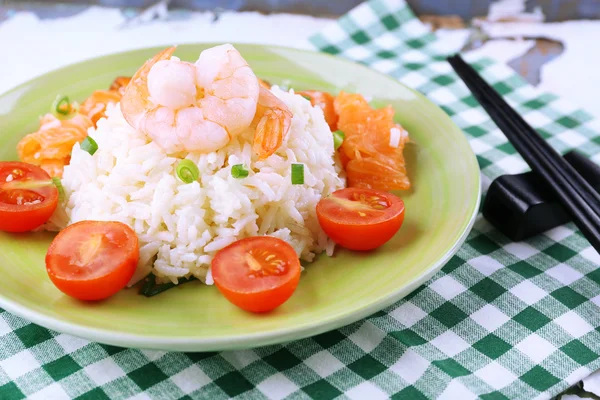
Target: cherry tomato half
(360,219)
(92,260)
(258,273)
(27,196)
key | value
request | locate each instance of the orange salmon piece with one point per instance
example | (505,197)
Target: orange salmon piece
(119,84)
(95,105)
(54,168)
(324,101)
(50,147)
(368,158)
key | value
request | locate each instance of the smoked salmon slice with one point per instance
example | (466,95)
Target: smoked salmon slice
(324,101)
(372,152)
(50,147)
(119,84)
(95,105)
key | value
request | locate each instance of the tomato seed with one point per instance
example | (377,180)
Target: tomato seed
(20,197)
(269,266)
(375,202)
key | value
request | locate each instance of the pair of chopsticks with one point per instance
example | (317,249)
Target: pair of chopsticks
(576,195)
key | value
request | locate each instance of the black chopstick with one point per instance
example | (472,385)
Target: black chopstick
(539,157)
(536,144)
(576,195)
(584,188)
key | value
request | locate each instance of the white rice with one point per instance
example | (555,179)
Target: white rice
(181,226)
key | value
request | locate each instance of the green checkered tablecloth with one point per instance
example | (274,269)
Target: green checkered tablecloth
(501,320)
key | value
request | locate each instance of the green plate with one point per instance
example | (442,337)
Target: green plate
(333,292)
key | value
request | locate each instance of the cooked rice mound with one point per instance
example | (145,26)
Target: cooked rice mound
(181,226)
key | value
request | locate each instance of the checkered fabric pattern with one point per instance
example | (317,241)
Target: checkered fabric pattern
(501,320)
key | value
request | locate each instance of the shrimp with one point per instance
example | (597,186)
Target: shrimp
(192,107)
(272,120)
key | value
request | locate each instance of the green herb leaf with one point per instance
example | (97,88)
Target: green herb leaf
(306,97)
(238,171)
(60,188)
(338,139)
(149,283)
(187,171)
(297,174)
(150,288)
(89,145)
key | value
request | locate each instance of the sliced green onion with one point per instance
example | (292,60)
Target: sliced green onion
(89,145)
(26,184)
(62,107)
(297,174)
(187,171)
(306,97)
(338,138)
(60,188)
(238,171)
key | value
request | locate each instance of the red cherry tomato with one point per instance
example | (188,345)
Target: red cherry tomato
(257,274)
(27,197)
(360,219)
(93,260)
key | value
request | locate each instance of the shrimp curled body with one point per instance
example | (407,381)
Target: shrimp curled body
(192,107)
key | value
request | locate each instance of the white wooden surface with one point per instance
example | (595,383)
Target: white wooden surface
(30,46)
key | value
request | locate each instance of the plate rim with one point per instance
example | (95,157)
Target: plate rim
(258,339)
